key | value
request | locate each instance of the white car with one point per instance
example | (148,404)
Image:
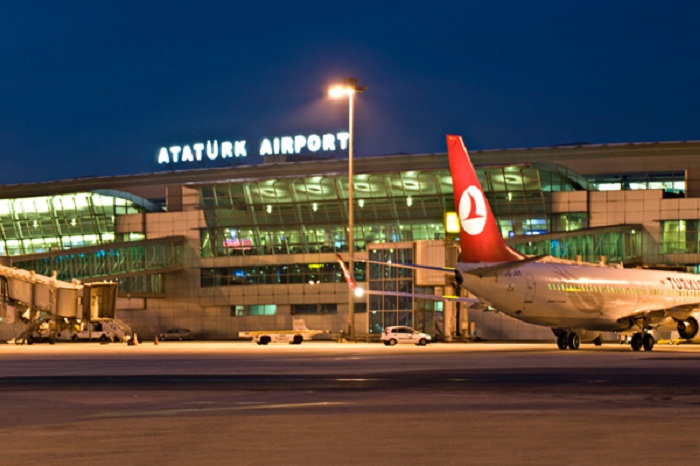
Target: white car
(403,334)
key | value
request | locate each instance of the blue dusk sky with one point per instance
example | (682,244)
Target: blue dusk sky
(96,88)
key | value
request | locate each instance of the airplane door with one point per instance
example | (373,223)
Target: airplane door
(530,288)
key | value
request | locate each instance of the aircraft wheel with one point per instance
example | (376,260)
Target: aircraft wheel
(574,341)
(636,342)
(561,341)
(648,342)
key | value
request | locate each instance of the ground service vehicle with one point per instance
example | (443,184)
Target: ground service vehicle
(295,336)
(87,331)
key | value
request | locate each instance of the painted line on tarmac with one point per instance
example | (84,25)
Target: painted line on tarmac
(246,407)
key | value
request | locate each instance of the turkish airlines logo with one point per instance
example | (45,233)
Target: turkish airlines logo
(472,210)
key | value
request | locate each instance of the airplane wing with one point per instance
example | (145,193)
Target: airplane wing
(661,317)
(478,271)
(433,297)
(352,284)
(491,269)
(448,270)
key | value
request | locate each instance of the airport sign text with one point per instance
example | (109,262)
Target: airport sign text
(284,145)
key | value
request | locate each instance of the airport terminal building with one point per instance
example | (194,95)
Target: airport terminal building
(249,247)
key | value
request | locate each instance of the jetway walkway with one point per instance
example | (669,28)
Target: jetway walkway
(46,305)
(40,295)
(109,261)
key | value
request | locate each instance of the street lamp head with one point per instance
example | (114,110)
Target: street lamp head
(339,90)
(347,88)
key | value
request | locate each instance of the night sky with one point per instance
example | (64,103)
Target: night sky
(96,88)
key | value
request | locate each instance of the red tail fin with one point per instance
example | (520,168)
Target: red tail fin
(480,237)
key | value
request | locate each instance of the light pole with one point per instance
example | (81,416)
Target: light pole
(349,88)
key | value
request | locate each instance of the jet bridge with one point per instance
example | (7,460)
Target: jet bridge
(46,305)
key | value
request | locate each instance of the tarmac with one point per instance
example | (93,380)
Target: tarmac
(354,403)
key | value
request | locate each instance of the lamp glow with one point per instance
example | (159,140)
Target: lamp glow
(340,90)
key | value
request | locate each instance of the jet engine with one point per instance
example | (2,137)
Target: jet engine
(688,328)
(458,277)
(588,336)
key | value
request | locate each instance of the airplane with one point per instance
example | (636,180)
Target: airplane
(577,300)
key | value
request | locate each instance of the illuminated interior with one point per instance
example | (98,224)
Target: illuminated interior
(49,223)
(306,215)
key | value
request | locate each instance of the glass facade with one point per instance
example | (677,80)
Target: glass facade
(520,196)
(386,311)
(329,272)
(680,237)
(616,244)
(256,310)
(305,215)
(50,223)
(672,182)
(314,309)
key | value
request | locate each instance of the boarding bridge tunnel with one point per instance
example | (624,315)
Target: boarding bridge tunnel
(45,304)
(134,264)
(55,291)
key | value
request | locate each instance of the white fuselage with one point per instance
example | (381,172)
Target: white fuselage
(585,296)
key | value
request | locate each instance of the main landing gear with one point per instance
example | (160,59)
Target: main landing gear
(642,340)
(569,340)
